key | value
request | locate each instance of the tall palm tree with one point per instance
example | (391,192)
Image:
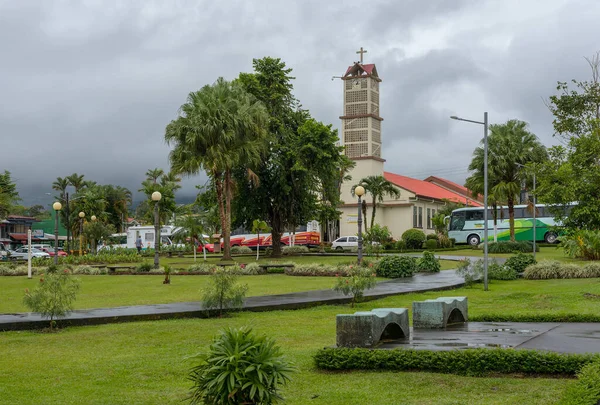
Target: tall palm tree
(509,145)
(154,174)
(77,181)
(166,184)
(220,128)
(378,187)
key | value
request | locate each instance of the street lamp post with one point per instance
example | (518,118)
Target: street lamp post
(81,217)
(156,196)
(359,191)
(485,193)
(57,207)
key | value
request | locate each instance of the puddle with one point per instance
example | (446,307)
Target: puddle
(458,344)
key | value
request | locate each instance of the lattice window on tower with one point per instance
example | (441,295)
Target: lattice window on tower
(364,84)
(357,150)
(375,85)
(356,96)
(373,108)
(376,125)
(348,84)
(376,150)
(356,136)
(356,109)
(355,123)
(376,137)
(375,97)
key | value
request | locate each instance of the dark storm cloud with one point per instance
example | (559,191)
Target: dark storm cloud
(89,87)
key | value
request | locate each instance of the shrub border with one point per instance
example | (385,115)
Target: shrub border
(586,391)
(472,362)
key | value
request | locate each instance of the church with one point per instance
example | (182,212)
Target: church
(362,139)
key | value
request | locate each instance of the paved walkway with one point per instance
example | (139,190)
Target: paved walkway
(447,279)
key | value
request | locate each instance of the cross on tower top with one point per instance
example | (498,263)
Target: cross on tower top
(362,51)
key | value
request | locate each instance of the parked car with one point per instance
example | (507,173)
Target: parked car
(50,251)
(345,243)
(22,253)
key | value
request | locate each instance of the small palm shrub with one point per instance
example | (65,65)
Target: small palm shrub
(396,266)
(355,283)
(413,238)
(54,296)
(429,263)
(223,291)
(240,250)
(583,245)
(519,262)
(294,250)
(240,368)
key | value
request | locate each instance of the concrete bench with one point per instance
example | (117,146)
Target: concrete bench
(113,269)
(367,329)
(440,312)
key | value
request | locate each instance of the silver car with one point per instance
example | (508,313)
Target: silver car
(22,253)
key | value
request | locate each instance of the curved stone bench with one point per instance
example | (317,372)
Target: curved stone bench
(366,329)
(438,313)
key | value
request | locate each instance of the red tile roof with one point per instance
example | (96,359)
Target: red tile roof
(445,183)
(368,68)
(425,189)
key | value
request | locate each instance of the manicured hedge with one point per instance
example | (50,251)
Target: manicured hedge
(539,317)
(464,362)
(586,391)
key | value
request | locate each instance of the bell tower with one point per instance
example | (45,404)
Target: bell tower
(361,123)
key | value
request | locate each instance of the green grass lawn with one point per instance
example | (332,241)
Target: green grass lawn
(112,291)
(145,362)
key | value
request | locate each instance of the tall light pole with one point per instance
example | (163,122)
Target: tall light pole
(485,193)
(534,209)
(81,217)
(57,207)
(359,191)
(156,196)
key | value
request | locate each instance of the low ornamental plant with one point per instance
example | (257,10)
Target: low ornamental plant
(54,296)
(223,291)
(413,238)
(511,247)
(586,391)
(355,283)
(519,262)
(429,263)
(549,269)
(240,368)
(472,362)
(582,245)
(396,267)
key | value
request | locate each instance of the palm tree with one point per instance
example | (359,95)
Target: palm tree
(509,145)
(220,128)
(77,181)
(154,174)
(378,187)
(166,184)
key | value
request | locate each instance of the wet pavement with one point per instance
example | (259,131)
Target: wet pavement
(555,337)
(447,279)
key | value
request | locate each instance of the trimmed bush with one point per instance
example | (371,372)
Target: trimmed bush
(252,269)
(497,271)
(201,268)
(519,262)
(294,250)
(431,244)
(144,267)
(549,269)
(413,238)
(432,236)
(240,250)
(400,245)
(473,362)
(314,269)
(586,391)
(396,267)
(510,247)
(428,263)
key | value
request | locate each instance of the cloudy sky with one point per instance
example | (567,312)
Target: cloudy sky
(89,86)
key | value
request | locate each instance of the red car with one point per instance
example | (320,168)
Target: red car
(50,251)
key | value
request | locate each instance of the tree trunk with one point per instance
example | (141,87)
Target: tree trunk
(227,225)
(276,240)
(511,217)
(373,212)
(219,190)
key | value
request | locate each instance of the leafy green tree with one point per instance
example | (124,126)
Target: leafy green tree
(240,368)
(223,291)
(572,173)
(298,174)
(376,237)
(258,227)
(167,184)
(97,230)
(8,194)
(509,145)
(192,227)
(221,128)
(378,187)
(54,296)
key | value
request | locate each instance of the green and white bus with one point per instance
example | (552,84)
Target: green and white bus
(466,224)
